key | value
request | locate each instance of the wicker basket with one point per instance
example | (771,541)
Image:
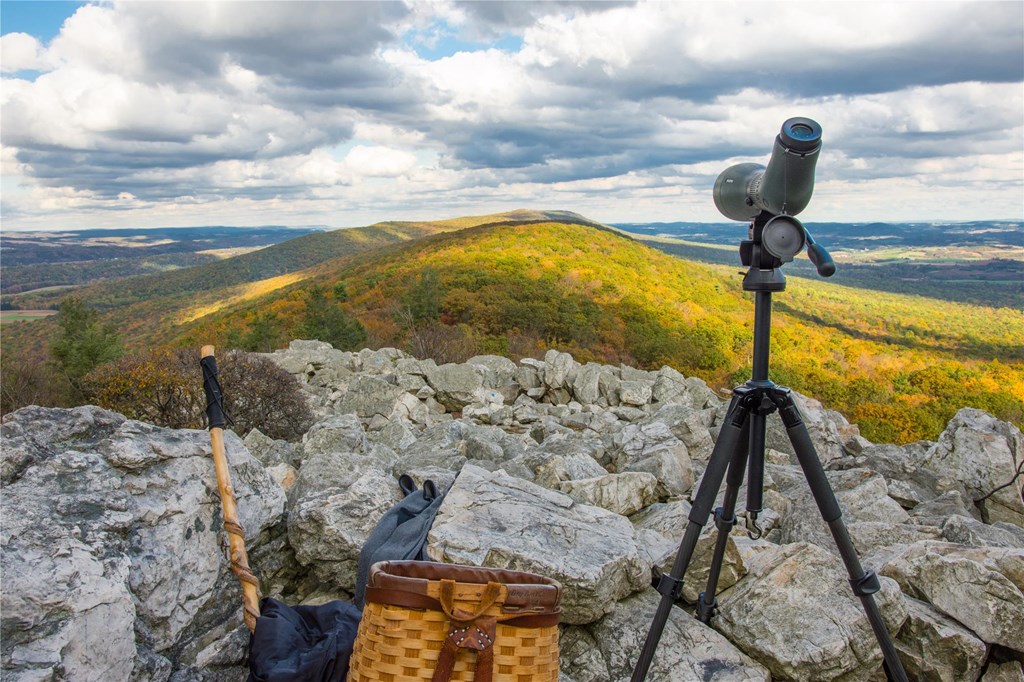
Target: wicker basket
(439,622)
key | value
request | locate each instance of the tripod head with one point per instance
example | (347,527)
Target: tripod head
(769,197)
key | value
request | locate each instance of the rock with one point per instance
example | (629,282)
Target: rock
(455,385)
(381,361)
(493,519)
(327,528)
(871,536)
(690,426)
(269,451)
(935,647)
(964,530)
(369,396)
(637,393)
(669,521)
(497,371)
(310,356)
(652,447)
(671,387)
(983,453)
(559,370)
(909,482)
(687,650)
(335,434)
(936,511)
(625,493)
(1004,672)
(586,386)
(568,467)
(795,613)
(980,587)
(862,496)
(114,561)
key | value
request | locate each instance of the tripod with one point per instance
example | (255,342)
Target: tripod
(741,443)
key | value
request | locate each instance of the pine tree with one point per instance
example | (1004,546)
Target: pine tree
(83,344)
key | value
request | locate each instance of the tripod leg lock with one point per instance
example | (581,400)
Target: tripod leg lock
(706,611)
(723,524)
(866,584)
(666,584)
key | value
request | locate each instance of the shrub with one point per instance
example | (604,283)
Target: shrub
(165,387)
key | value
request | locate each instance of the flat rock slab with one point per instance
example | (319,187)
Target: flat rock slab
(933,646)
(981,587)
(688,650)
(795,613)
(494,519)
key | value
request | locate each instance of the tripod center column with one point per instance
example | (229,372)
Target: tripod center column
(762,334)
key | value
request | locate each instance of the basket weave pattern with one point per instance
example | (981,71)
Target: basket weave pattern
(403,644)
(396,644)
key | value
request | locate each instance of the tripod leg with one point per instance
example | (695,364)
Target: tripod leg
(725,517)
(671,586)
(864,583)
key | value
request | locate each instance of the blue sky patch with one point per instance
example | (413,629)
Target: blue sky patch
(39,19)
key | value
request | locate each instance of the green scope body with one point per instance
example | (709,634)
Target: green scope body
(783,187)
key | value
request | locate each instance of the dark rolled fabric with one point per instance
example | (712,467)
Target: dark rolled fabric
(302,643)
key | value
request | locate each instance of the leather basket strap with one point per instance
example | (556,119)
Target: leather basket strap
(477,636)
(493,594)
(526,592)
(412,600)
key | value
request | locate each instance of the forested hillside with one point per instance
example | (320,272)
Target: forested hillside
(519,284)
(901,366)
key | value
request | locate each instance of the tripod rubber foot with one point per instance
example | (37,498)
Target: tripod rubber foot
(866,584)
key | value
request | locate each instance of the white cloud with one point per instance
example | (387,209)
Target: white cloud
(203,111)
(22,52)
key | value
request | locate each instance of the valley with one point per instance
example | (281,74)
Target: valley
(521,283)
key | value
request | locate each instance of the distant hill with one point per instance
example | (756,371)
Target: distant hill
(899,365)
(520,283)
(979,262)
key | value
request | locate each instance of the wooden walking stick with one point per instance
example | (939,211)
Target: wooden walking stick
(236,535)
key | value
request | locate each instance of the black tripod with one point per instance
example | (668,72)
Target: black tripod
(742,442)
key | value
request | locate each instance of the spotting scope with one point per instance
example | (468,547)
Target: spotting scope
(770,196)
(784,187)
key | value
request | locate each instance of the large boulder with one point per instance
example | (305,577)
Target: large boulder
(625,493)
(369,396)
(607,651)
(493,519)
(660,528)
(328,525)
(981,587)
(455,385)
(652,447)
(983,453)
(862,495)
(795,613)
(933,646)
(114,560)
(908,481)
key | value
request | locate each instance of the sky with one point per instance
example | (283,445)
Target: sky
(147,114)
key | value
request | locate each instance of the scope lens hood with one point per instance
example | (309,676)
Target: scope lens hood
(800,134)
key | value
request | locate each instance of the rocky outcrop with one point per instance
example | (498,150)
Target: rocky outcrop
(112,545)
(114,565)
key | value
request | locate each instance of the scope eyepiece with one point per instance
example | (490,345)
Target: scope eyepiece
(800,134)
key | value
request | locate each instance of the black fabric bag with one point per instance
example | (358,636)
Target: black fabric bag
(401,534)
(314,643)
(308,643)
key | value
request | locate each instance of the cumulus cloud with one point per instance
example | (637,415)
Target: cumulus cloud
(315,108)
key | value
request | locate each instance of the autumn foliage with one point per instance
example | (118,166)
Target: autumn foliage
(165,387)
